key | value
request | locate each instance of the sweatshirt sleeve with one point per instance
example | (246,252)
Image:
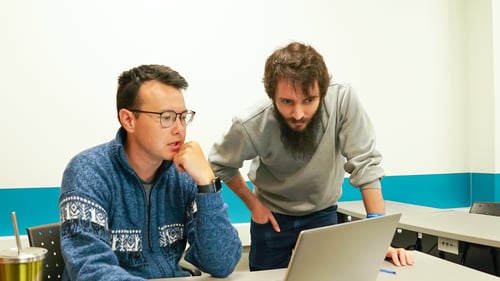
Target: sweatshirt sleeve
(357,141)
(215,246)
(228,154)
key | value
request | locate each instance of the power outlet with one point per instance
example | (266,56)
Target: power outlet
(448,245)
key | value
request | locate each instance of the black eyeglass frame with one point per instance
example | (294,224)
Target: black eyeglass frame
(184,122)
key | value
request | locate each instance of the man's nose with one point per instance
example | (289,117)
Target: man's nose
(177,126)
(298,112)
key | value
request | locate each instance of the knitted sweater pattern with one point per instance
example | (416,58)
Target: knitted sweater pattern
(108,232)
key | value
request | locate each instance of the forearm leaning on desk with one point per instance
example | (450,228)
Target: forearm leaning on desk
(374,204)
(373,200)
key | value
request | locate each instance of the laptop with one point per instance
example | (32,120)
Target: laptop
(346,251)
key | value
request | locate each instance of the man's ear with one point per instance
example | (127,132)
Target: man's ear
(127,119)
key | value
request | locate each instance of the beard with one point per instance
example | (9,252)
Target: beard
(300,144)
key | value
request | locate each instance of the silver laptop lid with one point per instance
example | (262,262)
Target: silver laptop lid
(351,251)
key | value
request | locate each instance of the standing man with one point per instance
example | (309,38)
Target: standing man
(301,142)
(128,207)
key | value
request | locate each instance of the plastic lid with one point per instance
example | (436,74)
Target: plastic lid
(31,254)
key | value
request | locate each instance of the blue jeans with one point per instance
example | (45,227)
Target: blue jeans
(270,249)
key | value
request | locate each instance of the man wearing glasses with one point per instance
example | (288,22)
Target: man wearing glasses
(130,206)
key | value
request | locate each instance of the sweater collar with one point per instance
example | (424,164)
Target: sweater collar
(119,142)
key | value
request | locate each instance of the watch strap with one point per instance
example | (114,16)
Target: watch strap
(210,188)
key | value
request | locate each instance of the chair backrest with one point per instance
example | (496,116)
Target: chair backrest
(47,236)
(486,208)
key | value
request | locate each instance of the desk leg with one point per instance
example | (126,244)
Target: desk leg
(418,243)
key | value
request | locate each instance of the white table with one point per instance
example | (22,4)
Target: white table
(426,267)
(356,208)
(458,225)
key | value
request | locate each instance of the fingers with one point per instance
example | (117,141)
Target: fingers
(274,223)
(401,257)
(178,165)
(191,160)
(187,152)
(409,257)
(394,257)
(263,215)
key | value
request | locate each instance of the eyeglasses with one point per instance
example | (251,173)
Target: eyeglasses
(167,118)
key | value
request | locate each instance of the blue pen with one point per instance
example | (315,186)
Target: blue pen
(388,271)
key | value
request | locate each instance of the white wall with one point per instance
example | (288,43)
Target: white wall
(479,73)
(61,59)
(496,79)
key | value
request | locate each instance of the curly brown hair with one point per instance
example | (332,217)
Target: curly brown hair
(297,62)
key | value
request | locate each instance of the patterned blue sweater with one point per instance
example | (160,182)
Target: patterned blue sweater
(109,233)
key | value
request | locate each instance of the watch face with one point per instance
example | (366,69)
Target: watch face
(217,184)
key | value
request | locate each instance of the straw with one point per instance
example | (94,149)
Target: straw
(16,232)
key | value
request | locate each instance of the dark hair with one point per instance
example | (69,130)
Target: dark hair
(298,62)
(131,80)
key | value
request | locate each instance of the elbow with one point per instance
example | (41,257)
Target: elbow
(223,273)
(227,263)
(226,269)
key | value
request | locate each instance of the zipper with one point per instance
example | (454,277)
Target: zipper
(147,212)
(148,221)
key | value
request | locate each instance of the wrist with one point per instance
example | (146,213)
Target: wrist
(205,178)
(373,215)
(212,187)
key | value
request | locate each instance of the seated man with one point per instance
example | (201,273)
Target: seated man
(130,206)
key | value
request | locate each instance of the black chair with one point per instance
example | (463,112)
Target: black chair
(47,236)
(483,208)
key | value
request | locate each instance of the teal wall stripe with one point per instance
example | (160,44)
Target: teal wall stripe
(496,196)
(238,212)
(34,206)
(486,187)
(484,184)
(439,190)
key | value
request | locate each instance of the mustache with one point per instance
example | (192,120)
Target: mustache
(301,120)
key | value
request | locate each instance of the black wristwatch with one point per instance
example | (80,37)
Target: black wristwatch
(210,188)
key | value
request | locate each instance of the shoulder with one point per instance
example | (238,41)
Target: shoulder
(88,176)
(89,167)
(254,112)
(339,89)
(250,125)
(101,154)
(340,95)
(90,156)
(258,117)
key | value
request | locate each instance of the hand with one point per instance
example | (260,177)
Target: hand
(190,159)
(400,256)
(262,215)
